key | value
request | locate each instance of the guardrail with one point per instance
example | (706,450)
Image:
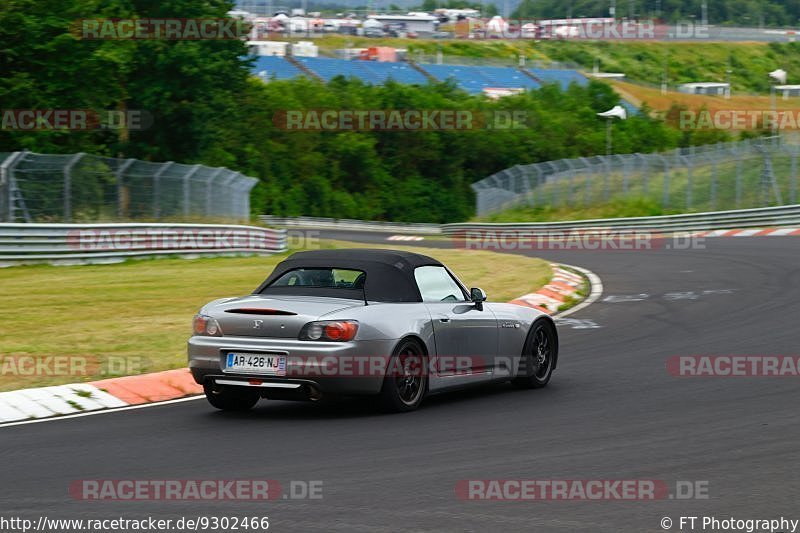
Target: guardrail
(743,218)
(103,243)
(348,224)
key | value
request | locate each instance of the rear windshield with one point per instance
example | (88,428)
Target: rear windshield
(329,278)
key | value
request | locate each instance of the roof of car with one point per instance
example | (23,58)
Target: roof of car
(389,273)
(378,255)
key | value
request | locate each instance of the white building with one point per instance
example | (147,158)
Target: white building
(267,48)
(305,49)
(453,14)
(417,23)
(788,90)
(706,87)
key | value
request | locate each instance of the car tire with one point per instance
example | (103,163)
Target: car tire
(406,381)
(538,357)
(230,398)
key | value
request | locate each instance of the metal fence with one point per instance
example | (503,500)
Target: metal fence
(82,187)
(744,174)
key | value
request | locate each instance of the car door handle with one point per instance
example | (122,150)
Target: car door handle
(444,320)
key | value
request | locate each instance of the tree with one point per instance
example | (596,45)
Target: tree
(184,85)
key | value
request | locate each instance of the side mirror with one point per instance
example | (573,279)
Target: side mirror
(478,296)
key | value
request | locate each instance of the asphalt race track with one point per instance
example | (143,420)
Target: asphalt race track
(612,411)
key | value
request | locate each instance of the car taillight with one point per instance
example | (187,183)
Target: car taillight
(341,331)
(206,325)
(329,330)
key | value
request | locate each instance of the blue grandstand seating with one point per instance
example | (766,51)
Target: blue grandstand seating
(328,68)
(473,79)
(507,78)
(399,72)
(268,66)
(372,72)
(564,77)
(465,77)
(476,79)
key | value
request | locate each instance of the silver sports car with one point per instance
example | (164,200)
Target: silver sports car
(393,324)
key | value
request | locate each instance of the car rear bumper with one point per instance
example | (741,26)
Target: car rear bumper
(328,367)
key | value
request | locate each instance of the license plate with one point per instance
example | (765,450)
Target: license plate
(273,365)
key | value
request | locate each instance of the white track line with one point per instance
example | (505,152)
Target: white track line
(748,232)
(405,238)
(596,291)
(781,232)
(101,412)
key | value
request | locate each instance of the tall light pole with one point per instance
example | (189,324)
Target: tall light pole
(615,112)
(728,72)
(776,76)
(728,81)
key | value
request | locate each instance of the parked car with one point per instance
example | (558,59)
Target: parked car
(374,32)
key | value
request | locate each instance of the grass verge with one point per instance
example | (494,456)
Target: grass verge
(636,207)
(652,96)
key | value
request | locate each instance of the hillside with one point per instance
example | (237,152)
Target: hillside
(641,61)
(638,95)
(739,12)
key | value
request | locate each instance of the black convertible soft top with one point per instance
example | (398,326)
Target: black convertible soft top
(390,273)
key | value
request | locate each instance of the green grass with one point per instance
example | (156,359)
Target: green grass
(644,61)
(636,207)
(75,405)
(141,311)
